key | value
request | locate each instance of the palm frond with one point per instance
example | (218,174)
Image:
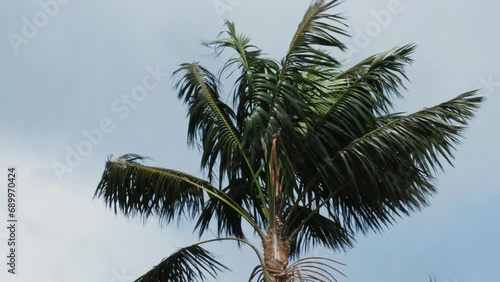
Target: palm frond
(164,193)
(317,29)
(352,102)
(306,56)
(314,269)
(390,170)
(228,219)
(253,83)
(381,76)
(136,189)
(279,105)
(349,109)
(250,93)
(246,54)
(257,274)
(188,264)
(210,120)
(308,228)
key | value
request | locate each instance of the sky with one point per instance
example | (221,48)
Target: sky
(83,80)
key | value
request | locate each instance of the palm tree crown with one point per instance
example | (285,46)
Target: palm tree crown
(306,151)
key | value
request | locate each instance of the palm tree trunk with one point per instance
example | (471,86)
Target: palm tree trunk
(276,244)
(276,252)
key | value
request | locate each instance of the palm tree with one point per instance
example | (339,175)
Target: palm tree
(307,152)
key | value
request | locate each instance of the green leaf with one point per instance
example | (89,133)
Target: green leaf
(136,189)
(210,120)
(188,264)
(308,228)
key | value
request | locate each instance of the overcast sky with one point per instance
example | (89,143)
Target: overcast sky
(67,71)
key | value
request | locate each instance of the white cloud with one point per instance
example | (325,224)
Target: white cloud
(63,235)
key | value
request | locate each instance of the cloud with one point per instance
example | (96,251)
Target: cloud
(64,235)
